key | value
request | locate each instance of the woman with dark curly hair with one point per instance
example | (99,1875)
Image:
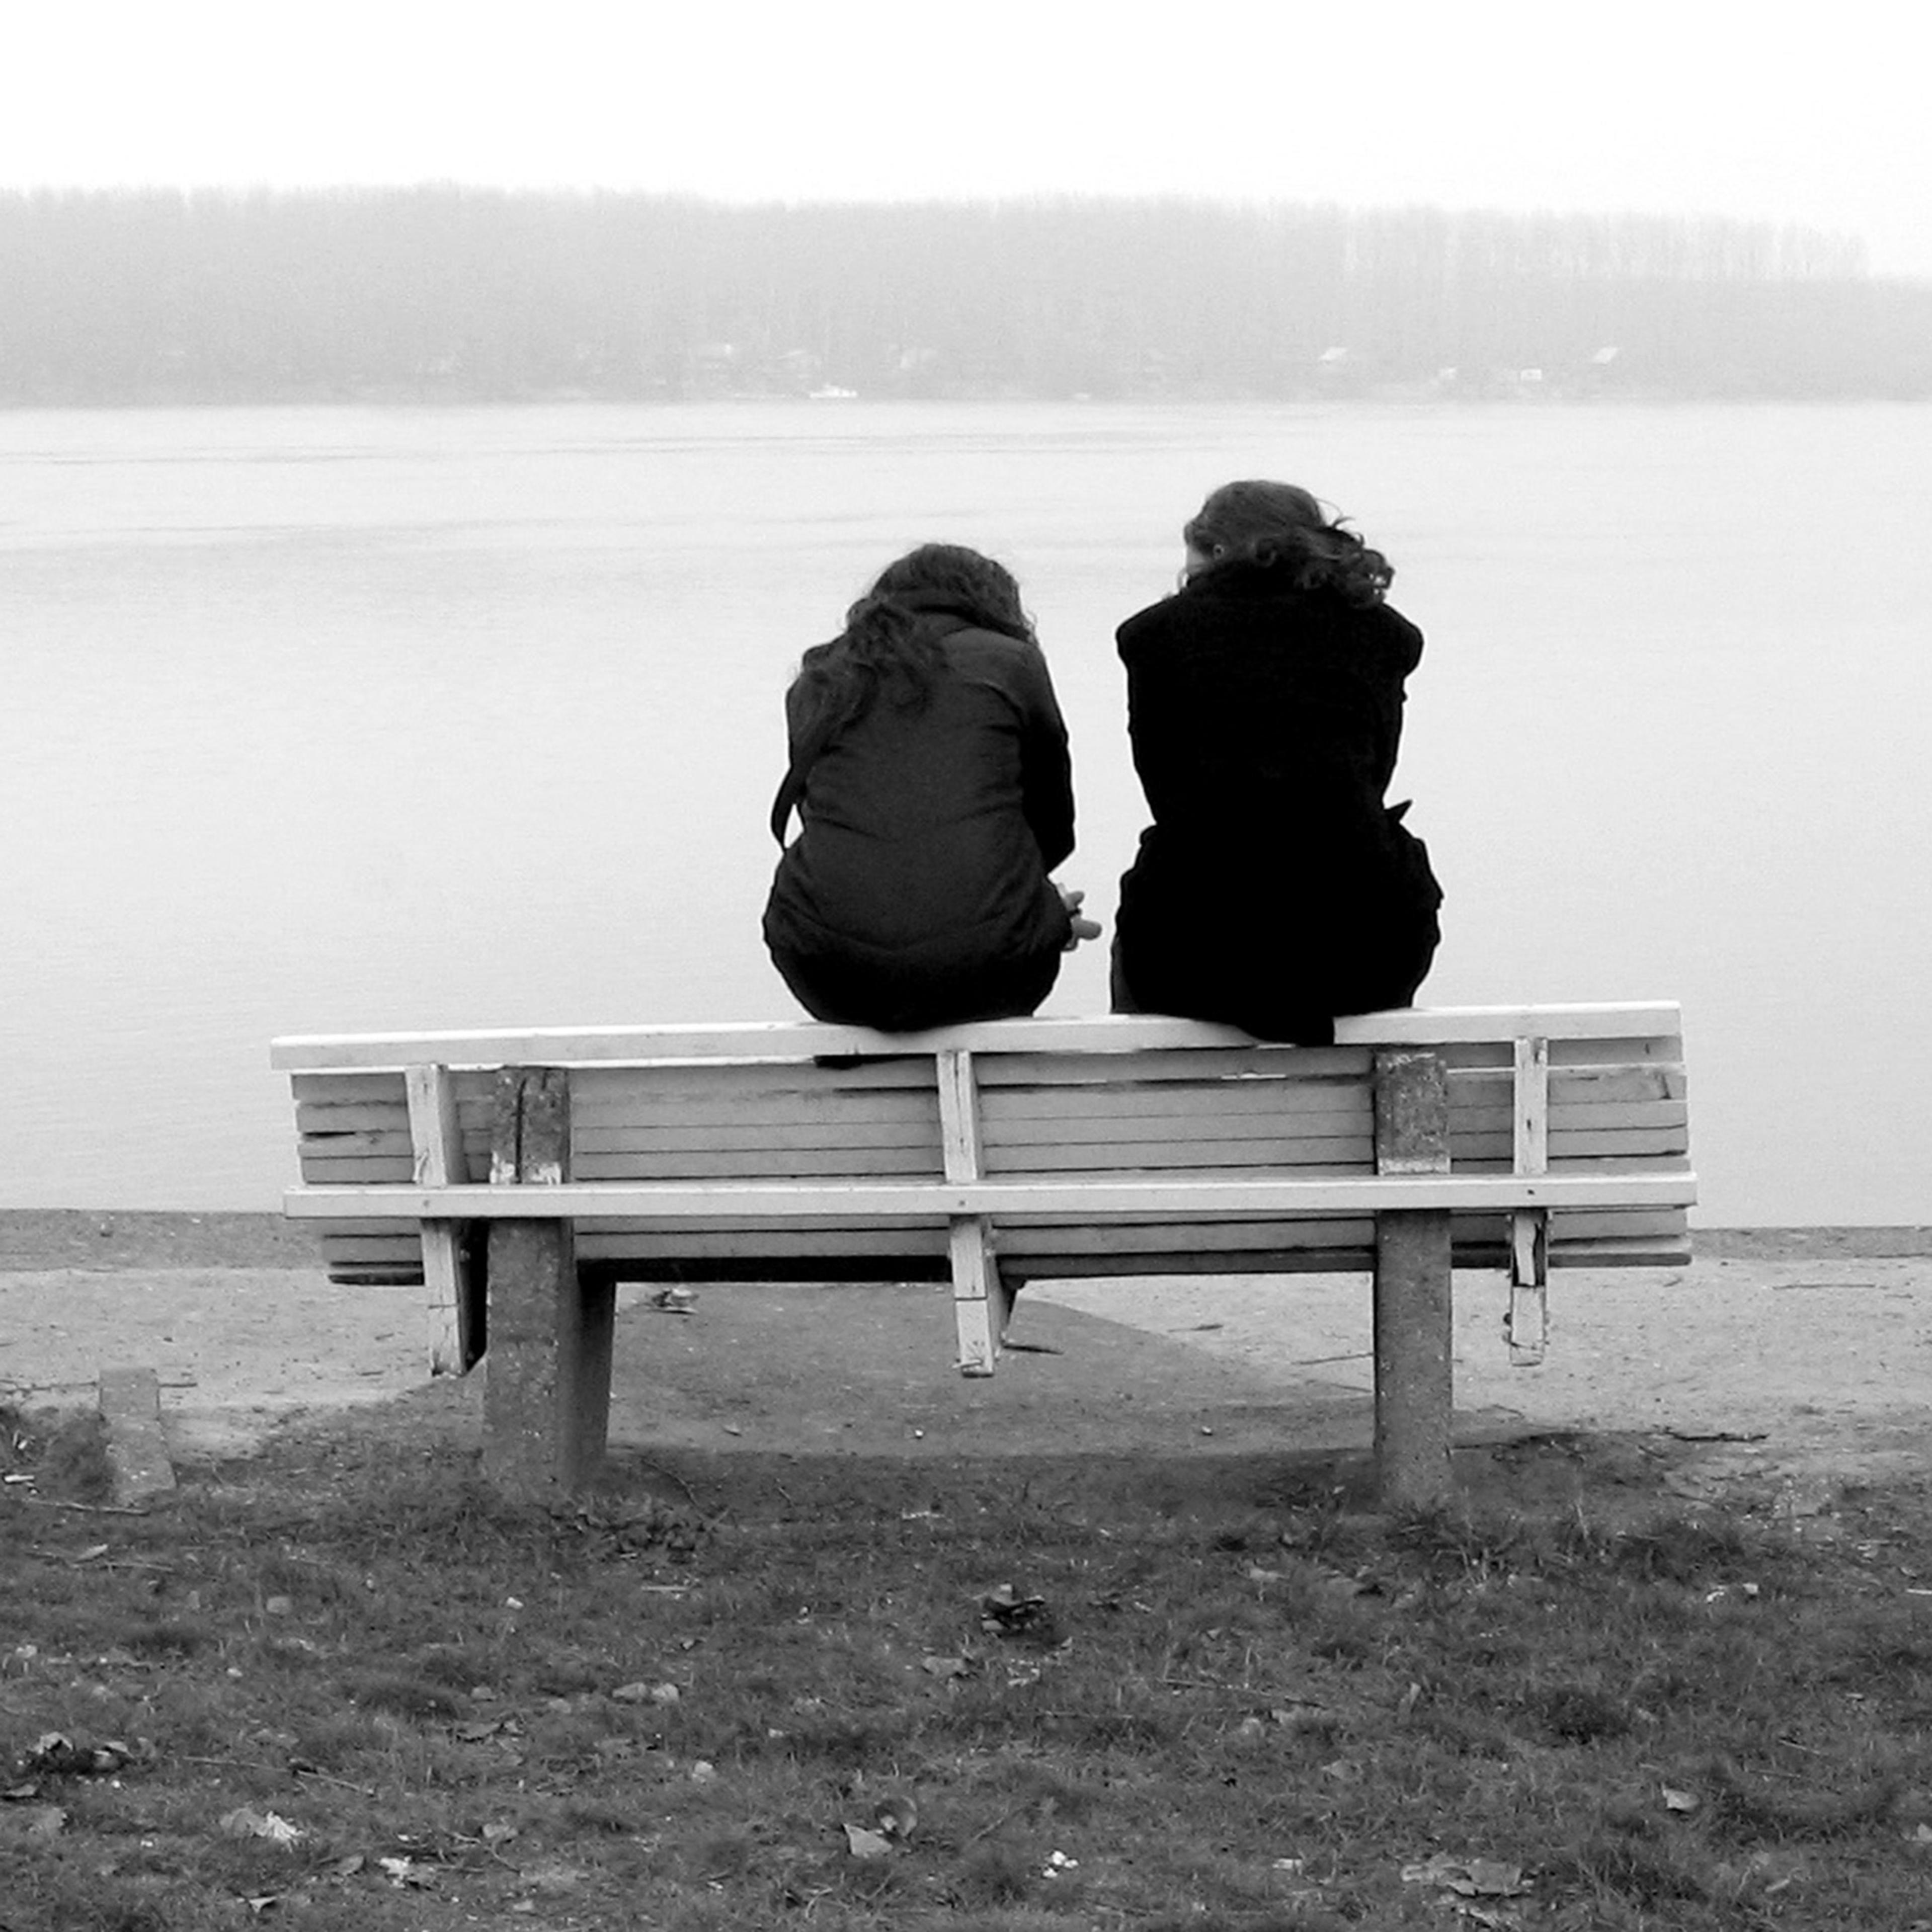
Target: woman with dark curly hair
(930,773)
(1275,889)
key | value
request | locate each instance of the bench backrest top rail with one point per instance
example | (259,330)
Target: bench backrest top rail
(789,1039)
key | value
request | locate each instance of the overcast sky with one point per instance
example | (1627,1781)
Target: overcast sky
(1816,116)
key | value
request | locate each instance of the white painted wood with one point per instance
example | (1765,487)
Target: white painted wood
(821,1119)
(1603,1152)
(958,1115)
(387,1157)
(1341,1152)
(978,1315)
(437,1160)
(672,1200)
(1528,1323)
(1664,1049)
(1610,1114)
(1605,1238)
(1123,1143)
(1048,1110)
(980,1304)
(835,1121)
(790,1040)
(727,1164)
(1156,1066)
(1612,1084)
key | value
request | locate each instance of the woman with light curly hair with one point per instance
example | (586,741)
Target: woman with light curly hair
(1275,890)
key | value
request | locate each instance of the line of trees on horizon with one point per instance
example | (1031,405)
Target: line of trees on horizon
(472,294)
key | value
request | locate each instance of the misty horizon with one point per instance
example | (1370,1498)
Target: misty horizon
(487,294)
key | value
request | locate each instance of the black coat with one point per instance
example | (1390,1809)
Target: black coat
(916,893)
(1274,889)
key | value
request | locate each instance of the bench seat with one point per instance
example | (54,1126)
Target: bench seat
(998,1153)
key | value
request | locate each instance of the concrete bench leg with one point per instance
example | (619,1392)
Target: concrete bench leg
(546,1373)
(547,1368)
(1414,1371)
(1414,1313)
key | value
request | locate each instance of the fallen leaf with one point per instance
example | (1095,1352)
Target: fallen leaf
(245,1821)
(863,1844)
(1674,1800)
(1469,1878)
(1490,1878)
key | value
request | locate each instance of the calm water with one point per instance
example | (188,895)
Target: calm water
(344,719)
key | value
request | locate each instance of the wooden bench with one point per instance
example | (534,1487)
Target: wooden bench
(521,1175)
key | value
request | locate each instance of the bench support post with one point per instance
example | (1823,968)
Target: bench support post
(982,1303)
(1413,1305)
(547,1373)
(1527,1326)
(454,1296)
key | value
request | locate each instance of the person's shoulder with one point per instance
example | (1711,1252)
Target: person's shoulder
(1393,632)
(1016,665)
(971,644)
(976,637)
(1148,628)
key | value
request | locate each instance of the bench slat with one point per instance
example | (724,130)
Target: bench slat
(370,1157)
(1338,1193)
(571,1046)
(1647,1124)
(1578,1227)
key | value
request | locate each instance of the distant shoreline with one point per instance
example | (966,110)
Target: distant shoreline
(1418,393)
(32,1240)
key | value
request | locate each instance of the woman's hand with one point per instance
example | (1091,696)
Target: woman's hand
(1083,928)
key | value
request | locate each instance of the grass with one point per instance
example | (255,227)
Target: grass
(784,1701)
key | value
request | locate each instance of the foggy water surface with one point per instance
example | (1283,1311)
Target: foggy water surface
(343,719)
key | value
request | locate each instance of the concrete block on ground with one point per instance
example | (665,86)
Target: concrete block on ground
(130,1404)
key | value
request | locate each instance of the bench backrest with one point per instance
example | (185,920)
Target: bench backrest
(1596,1089)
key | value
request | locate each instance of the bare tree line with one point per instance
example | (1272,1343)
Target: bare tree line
(473,294)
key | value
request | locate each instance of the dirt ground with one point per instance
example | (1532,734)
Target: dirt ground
(1793,1359)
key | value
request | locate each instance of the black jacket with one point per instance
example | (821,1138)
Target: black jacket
(916,892)
(1274,889)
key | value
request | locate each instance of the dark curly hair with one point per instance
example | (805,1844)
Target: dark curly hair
(1281,526)
(885,651)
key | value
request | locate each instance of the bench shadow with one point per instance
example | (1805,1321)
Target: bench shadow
(842,1401)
